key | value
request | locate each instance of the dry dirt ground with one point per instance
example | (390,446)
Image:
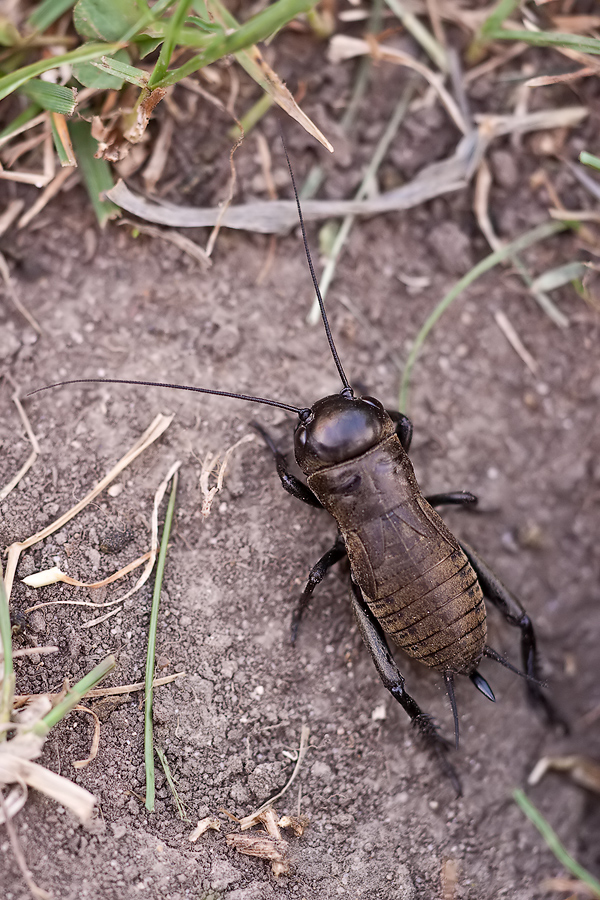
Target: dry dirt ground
(383,818)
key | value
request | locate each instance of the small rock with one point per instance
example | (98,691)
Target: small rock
(452,247)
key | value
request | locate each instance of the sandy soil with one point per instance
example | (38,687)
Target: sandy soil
(383,819)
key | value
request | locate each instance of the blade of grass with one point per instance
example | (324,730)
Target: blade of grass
(96,172)
(54,97)
(149,688)
(547,39)
(74,696)
(8,675)
(9,83)
(122,70)
(47,13)
(537,234)
(166,51)
(553,841)
(588,159)
(251,32)
(497,17)
(171,782)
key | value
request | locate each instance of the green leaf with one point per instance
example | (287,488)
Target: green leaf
(120,69)
(146,45)
(96,172)
(10,83)
(90,75)
(105,20)
(47,13)
(54,97)
(555,278)
(175,23)
(203,25)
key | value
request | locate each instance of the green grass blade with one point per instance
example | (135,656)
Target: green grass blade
(54,97)
(553,841)
(74,696)
(166,51)
(8,676)
(588,159)
(122,71)
(258,28)
(497,17)
(47,13)
(151,653)
(96,173)
(171,782)
(547,39)
(10,83)
(537,234)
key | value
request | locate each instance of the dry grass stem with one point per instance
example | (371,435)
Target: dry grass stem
(449,878)
(160,153)
(483,184)
(344,47)
(21,699)
(203,826)
(41,119)
(35,452)
(583,770)
(515,342)
(82,763)
(10,214)
(36,891)
(14,297)
(52,189)
(54,575)
(436,179)
(173,237)
(253,818)
(224,206)
(210,463)
(154,431)
(32,651)
(17,768)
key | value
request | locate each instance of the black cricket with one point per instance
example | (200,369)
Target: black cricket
(411,579)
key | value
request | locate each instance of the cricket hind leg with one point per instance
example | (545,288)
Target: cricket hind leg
(374,638)
(514,613)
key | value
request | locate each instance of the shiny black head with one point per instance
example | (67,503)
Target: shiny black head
(339,428)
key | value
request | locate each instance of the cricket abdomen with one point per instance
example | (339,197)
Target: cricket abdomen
(411,569)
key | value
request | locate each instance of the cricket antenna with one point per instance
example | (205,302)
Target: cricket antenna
(301,411)
(334,353)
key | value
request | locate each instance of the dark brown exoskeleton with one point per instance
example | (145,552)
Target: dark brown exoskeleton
(412,580)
